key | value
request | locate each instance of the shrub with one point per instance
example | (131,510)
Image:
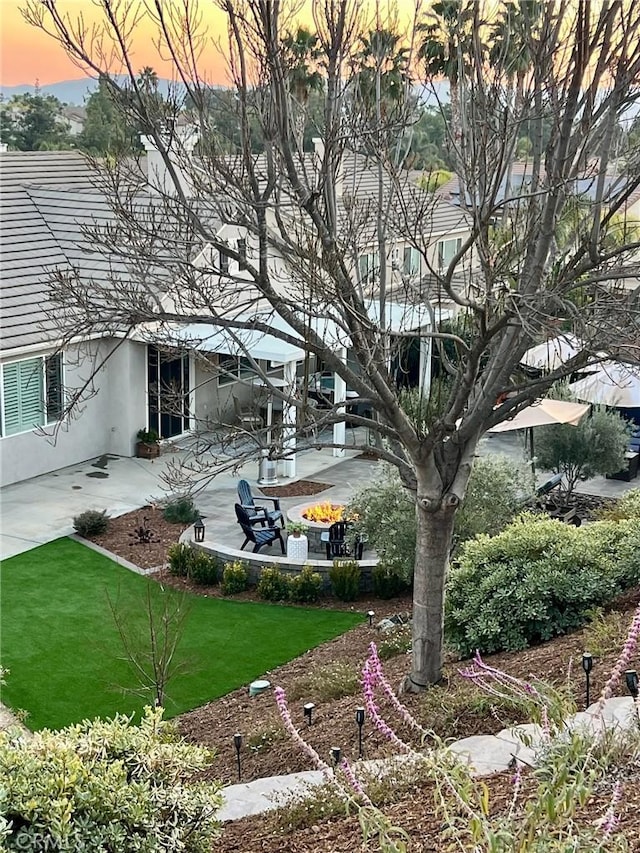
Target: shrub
(495,493)
(333,681)
(385,510)
(106,785)
(628,506)
(179,557)
(387,583)
(181,510)
(306,586)
(234,578)
(204,568)
(91,522)
(396,642)
(345,579)
(274,585)
(536,579)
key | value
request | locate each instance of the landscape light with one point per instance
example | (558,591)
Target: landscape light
(587,665)
(336,754)
(308,711)
(360,722)
(371,614)
(237,742)
(631,677)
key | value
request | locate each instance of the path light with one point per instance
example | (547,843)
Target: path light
(198,530)
(587,665)
(360,722)
(308,711)
(371,614)
(631,677)
(336,754)
(237,742)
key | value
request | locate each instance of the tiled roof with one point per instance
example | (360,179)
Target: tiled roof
(28,248)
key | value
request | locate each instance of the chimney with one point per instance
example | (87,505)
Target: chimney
(319,152)
(179,142)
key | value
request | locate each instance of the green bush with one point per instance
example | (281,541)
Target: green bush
(387,583)
(385,510)
(204,568)
(235,578)
(306,586)
(181,510)
(91,522)
(179,557)
(274,585)
(345,579)
(106,785)
(627,507)
(536,579)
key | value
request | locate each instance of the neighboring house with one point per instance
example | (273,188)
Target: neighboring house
(47,199)
(75,117)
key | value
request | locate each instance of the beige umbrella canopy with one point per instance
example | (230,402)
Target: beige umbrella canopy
(544,412)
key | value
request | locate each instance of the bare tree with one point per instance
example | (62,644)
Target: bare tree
(150,631)
(303,221)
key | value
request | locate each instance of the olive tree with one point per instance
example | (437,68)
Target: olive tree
(509,277)
(596,446)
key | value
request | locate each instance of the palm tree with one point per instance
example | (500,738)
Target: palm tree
(445,50)
(147,79)
(301,54)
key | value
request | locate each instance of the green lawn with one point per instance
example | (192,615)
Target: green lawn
(60,643)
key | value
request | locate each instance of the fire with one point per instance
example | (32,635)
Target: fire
(324,513)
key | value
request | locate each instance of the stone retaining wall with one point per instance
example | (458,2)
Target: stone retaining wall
(256,562)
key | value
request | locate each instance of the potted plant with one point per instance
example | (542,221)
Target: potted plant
(147,446)
(297,543)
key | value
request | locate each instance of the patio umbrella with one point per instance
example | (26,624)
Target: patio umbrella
(544,412)
(552,353)
(614,384)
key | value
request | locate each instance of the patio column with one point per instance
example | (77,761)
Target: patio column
(289,415)
(340,396)
(424,380)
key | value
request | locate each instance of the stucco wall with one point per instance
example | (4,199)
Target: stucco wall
(107,422)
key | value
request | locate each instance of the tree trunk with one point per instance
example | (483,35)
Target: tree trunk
(433,544)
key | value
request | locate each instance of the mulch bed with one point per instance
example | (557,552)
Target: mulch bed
(268,751)
(121,539)
(300,488)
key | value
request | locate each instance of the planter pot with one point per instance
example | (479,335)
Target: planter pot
(297,547)
(268,472)
(147,451)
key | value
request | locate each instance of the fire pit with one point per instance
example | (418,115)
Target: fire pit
(318,518)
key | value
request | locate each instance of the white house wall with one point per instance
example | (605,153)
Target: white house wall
(107,424)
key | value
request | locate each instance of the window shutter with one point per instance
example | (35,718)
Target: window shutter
(23,395)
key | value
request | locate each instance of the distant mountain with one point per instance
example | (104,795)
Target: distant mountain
(68,91)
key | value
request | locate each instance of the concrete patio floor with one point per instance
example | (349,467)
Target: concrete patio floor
(42,509)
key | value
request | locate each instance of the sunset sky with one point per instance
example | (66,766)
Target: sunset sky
(28,54)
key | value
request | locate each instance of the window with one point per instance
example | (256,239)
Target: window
(368,267)
(233,368)
(32,393)
(223,262)
(242,251)
(411,261)
(447,250)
